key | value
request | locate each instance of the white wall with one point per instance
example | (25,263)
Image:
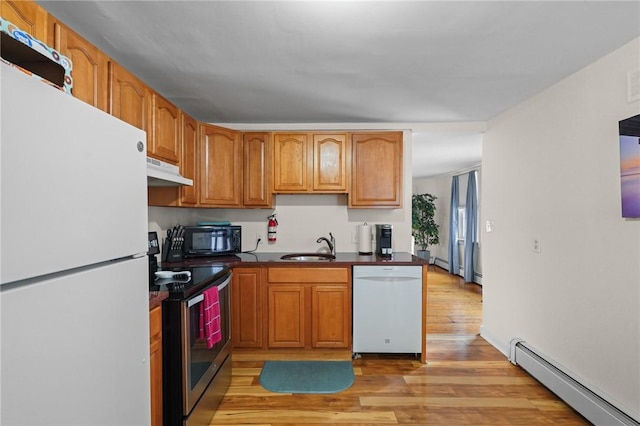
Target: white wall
(551,171)
(302,218)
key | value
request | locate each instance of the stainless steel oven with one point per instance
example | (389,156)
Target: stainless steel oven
(195,376)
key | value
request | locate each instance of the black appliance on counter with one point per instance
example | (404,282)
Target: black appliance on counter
(195,377)
(204,241)
(384,237)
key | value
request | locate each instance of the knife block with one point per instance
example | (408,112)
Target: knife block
(170,254)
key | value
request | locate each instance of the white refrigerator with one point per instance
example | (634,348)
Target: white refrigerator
(74,324)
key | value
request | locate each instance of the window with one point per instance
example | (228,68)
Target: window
(462,223)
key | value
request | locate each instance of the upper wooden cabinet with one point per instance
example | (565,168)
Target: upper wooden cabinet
(129,98)
(376,170)
(220,167)
(182,196)
(164,143)
(257,170)
(330,162)
(28,16)
(189,160)
(310,162)
(290,162)
(90,66)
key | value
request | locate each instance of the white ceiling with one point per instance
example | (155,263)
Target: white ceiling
(415,62)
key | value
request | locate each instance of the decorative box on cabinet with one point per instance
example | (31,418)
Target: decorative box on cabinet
(376,170)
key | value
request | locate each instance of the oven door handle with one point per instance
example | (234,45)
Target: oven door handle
(195,300)
(199,298)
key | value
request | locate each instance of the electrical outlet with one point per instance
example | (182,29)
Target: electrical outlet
(536,245)
(259,237)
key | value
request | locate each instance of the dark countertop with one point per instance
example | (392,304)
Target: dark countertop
(273,259)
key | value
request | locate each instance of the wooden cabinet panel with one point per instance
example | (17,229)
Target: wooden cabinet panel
(310,162)
(246,308)
(290,172)
(155,364)
(189,160)
(90,66)
(376,170)
(181,196)
(257,170)
(130,99)
(28,16)
(164,143)
(330,152)
(287,315)
(220,167)
(330,316)
(309,307)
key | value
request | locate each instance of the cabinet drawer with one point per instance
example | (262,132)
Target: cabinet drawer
(312,275)
(155,322)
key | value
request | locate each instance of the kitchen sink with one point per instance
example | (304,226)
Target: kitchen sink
(304,257)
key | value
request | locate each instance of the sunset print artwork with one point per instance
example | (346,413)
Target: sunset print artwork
(630,166)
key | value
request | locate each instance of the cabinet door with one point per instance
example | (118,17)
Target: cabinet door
(330,316)
(164,143)
(155,364)
(90,66)
(330,162)
(26,15)
(291,158)
(287,315)
(189,160)
(257,170)
(165,139)
(129,99)
(246,308)
(220,167)
(376,170)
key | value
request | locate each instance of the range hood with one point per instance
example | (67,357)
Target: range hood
(160,173)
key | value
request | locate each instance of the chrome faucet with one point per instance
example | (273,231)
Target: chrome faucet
(331,243)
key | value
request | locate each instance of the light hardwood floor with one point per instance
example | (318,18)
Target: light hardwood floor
(465,381)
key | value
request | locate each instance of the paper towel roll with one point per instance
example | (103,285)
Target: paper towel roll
(364,239)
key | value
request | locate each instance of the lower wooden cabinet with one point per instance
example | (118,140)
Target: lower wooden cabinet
(155,364)
(246,308)
(309,308)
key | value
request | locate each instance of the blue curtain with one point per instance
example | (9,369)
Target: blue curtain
(470,241)
(454,263)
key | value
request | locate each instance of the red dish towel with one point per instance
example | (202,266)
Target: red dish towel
(210,317)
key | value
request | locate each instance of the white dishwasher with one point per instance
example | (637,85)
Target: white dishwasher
(387,309)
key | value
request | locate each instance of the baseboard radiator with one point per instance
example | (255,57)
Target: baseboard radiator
(582,399)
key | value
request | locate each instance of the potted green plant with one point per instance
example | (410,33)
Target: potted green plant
(423,224)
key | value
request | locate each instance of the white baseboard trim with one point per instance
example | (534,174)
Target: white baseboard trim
(494,341)
(573,390)
(444,264)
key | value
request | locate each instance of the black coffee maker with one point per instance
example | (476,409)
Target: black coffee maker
(384,236)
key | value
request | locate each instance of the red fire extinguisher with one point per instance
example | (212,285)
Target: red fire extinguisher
(272,228)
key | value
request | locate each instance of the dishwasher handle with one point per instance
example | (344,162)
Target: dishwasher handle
(388,279)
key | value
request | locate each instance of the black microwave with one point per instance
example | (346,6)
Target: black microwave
(200,241)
